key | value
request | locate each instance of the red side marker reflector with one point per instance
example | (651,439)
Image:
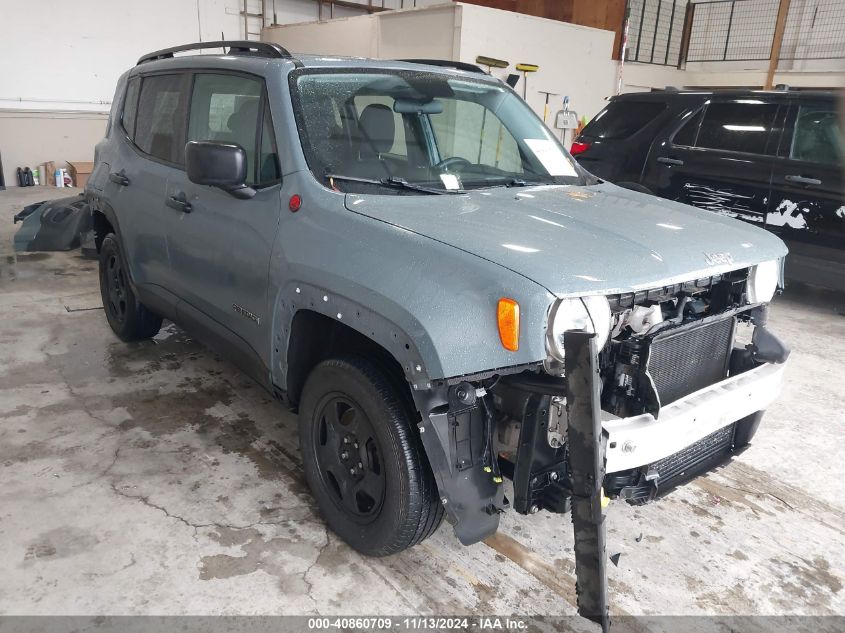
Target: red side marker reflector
(578,148)
(295,203)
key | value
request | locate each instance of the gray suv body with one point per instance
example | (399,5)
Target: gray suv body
(402,253)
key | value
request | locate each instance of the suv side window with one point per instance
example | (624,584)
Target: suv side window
(738,126)
(621,119)
(160,122)
(230,108)
(130,107)
(817,137)
(688,132)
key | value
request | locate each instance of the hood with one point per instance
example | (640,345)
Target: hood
(580,240)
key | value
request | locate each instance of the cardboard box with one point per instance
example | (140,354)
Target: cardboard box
(49,170)
(80,172)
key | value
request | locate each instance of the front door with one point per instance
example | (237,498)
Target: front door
(808,194)
(719,159)
(219,245)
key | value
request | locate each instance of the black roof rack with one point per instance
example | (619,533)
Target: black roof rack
(260,49)
(446,63)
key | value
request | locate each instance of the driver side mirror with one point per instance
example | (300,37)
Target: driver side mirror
(221,165)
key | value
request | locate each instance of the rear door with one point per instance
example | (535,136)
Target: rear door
(808,194)
(153,124)
(720,158)
(219,245)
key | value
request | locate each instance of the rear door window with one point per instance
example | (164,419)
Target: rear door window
(817,137)
(160,123)
(737,126)
(621,119)
(688,132)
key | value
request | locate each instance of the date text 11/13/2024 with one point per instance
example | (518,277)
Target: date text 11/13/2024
(419,623)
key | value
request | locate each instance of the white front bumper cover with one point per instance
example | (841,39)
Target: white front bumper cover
(642,439)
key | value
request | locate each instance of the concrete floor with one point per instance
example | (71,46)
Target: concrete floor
(155,478)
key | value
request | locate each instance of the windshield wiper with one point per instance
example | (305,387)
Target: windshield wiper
(518,182)
(394,182)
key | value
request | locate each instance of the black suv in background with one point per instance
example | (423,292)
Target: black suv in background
(772,158)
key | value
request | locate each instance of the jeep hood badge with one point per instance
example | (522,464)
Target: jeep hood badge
(717,259)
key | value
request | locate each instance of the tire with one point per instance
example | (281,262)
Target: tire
(351,418)
(130,319)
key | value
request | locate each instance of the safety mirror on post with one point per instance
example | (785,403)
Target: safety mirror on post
(221,165)
(566,120)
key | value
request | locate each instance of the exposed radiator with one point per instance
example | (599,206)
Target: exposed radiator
(687,359)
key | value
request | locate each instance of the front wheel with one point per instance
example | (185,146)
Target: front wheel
(130,319)
(363,460)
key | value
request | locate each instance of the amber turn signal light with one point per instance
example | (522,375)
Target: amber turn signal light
(508,319)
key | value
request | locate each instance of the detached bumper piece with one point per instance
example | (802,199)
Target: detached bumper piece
(53,225)
(646,483)
(586,454)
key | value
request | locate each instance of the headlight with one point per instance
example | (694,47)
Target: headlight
(586,314)
(763,281)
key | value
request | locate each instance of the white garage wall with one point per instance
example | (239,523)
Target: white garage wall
(297,11)
(574,60)
(410,33)
(72,59)
(57,86)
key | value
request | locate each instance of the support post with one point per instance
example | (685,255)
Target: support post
(587,468)
(777,42)
(689,17)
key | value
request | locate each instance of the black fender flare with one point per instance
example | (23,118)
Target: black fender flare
(98,205)
(297,296)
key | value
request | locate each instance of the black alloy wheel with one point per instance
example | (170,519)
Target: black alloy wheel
(130,319)
(116,287)
(348,457)
(362,456)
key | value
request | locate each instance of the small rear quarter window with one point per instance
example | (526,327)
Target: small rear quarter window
(130,106)
(621,119)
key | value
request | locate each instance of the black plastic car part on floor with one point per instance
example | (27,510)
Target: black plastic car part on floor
(53,225)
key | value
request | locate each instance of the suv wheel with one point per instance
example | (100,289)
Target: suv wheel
(130,319)
(363,460)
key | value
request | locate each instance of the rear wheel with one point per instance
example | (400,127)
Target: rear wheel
(363,460)
(130,319)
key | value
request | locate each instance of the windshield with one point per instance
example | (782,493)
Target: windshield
(380,132)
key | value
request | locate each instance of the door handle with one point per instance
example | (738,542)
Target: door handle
(118,177)
(803,180)
(670,161)
(179,202)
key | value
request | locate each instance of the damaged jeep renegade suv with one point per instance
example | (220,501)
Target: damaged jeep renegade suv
(405,255)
